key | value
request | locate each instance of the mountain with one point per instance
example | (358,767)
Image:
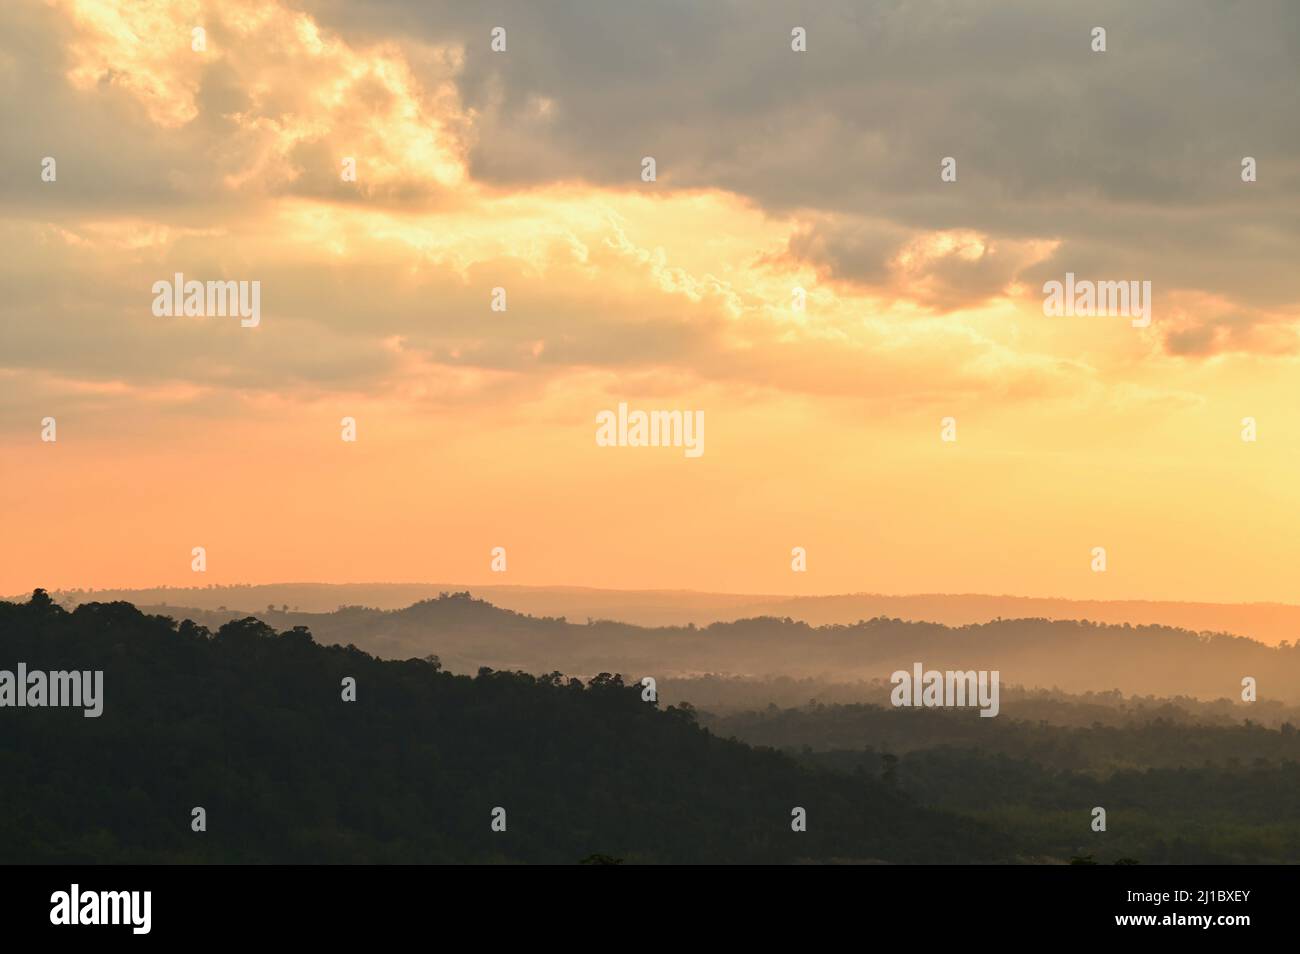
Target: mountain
(253,723)
(250,724)
(1269,623)
(1070,655)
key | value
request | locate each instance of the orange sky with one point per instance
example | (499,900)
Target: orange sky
(476,428)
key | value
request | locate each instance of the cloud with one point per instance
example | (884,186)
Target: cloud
(942,270)
(521,170)
(1129,159)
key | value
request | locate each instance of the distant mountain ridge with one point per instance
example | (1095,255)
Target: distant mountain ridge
(1269,623)
(1074,656)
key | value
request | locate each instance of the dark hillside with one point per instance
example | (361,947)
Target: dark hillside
(249,724)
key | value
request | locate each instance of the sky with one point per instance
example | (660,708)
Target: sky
(776,170)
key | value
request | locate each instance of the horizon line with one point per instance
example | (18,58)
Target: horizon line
(469,587)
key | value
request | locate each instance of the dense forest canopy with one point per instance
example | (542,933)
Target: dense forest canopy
(252,724)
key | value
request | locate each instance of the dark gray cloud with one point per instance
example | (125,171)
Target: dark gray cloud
(1131,157)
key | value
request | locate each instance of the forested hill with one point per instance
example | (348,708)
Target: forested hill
(1270,623)
(1072,655)
(250,724)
